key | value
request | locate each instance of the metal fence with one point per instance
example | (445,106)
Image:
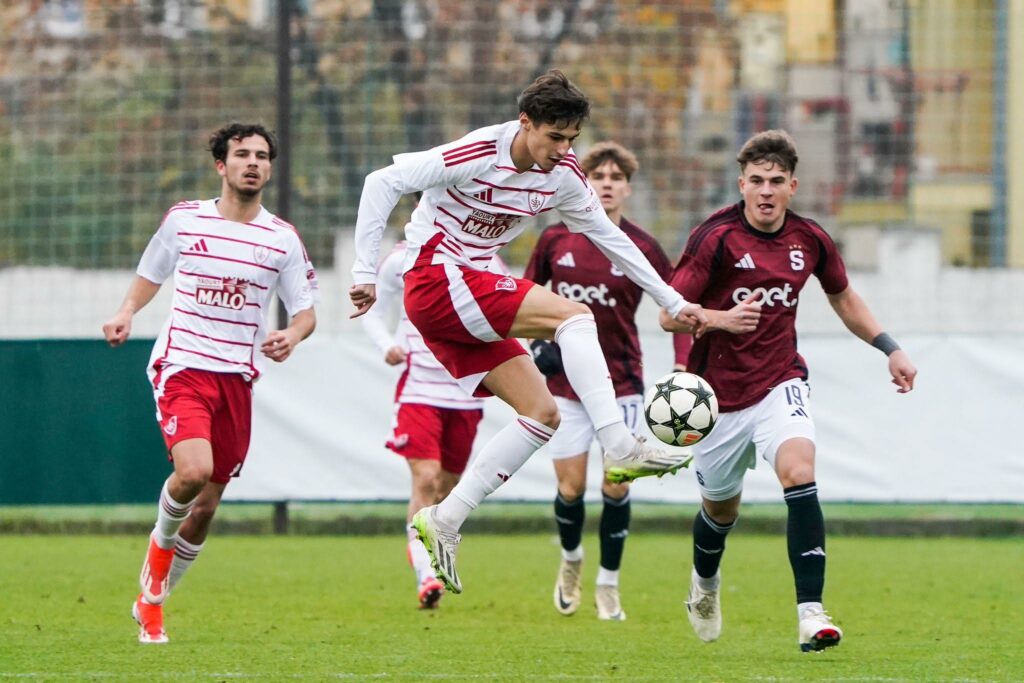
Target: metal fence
(105,106)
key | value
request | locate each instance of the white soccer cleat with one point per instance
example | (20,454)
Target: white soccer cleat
(705,611)
(567,587)
(609,608)
(817,632)
(441,545)
(644,461)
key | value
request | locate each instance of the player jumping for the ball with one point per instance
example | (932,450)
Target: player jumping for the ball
(476,192)
(759,246)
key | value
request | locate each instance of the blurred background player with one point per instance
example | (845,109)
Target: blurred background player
(579,271)
(435,420)
(227,256)
(758,248)
(476,191)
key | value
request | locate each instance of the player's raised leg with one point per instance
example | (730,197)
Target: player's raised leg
(545,315)
(517,382)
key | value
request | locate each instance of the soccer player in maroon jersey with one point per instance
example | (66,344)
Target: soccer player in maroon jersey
(227,256)
(476,191)
(579,271)
(755,257)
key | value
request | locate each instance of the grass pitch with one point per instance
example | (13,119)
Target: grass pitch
(343,608)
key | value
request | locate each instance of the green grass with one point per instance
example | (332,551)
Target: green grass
(342,608)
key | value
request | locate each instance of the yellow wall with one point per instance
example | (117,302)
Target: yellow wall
(1015,137)
(952,57)
(810,32)
(948,206)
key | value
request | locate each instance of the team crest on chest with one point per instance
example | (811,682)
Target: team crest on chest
(488,225)
(260,253)
(536,201)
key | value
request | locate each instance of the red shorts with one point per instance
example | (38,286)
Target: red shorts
(464,316)
(432,433)
(215,406)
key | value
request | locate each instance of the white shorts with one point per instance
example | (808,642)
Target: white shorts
(576,432)
(723,457)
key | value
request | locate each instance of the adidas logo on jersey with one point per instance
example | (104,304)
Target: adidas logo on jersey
(567,261)
(200,246)
(746,263)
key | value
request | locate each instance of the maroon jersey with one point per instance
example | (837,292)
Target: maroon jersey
(579,271)
(724,261)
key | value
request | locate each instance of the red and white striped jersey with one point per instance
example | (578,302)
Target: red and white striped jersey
(424,380)
(473,204)
(224,276)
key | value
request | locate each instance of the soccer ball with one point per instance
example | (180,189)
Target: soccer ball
(681,408)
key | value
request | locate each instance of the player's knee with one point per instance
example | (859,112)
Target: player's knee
(202,512)
(571,489)
(549,416)
(428,486)
(614,491)
(797,474)
(576,308)
(194,475)
(722,512)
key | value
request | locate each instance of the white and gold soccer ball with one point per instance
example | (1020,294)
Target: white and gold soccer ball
(681,408)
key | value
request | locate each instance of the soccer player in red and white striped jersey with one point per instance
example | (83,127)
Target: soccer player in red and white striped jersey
(476,191)
(435,419)
(748,263)
(227,257)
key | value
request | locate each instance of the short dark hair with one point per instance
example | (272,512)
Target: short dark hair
(610,151)
(774,146)
(553,98)
(237,131)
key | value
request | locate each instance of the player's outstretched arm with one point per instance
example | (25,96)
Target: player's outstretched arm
(740,319)
(859,319)
(119,327)
(279,344)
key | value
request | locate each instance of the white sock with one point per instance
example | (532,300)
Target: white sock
(418,557)
(710,584)
(607,577)
(169,516)
(573,555)
(185,554)
(587,372)
(499,459)
(808,605)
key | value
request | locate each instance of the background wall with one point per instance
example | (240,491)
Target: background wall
(908,117)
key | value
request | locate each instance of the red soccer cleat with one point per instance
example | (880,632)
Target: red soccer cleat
(155,571)
(151,619)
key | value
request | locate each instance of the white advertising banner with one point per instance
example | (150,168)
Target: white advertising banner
(322,417)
